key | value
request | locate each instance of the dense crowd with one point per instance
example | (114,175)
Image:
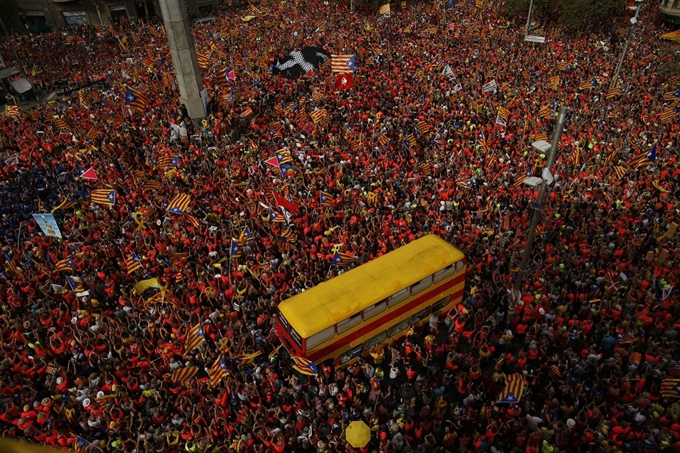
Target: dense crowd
(593,333)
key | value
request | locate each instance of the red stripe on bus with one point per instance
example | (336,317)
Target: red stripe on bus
(390,316)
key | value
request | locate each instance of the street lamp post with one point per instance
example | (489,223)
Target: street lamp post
(537,207)
(526,29)
(633,21)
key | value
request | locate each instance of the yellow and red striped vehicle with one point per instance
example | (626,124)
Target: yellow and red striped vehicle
(372,304)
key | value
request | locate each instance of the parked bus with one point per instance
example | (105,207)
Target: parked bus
(375,303)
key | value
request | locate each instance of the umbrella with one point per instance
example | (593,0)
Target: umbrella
(358,434)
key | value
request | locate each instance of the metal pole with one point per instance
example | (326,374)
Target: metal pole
(526,29)
(625,47)
(538,206)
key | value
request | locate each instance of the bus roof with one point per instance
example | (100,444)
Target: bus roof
(338,298)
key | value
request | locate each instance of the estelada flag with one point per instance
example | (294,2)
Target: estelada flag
(195,338)
(343,81)
(514,389)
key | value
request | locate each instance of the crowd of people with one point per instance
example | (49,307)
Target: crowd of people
(410,149)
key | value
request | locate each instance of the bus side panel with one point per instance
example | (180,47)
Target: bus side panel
(453,286)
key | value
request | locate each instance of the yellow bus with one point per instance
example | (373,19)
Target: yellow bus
(372,304)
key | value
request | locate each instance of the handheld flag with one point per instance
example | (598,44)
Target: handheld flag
(514,389)
(304,366)
(106,197)
(135,100)
(133,263)
(89,174)
(195,338)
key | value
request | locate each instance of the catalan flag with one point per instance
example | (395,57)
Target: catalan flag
(152,185)
(218,371)
(64,265)
(51,369)
(423,127)
(203,60)
(619,171)
(409,141)
(563,66)
(10,264)
(83,445)
(325,199)
(342,259)
(343,64)
(613,92)
(92,133)
(288,237)
(546,112)
(193,220)
(60,123)
(133,263)
(672,96)
(520,181)
(384,10)
(11,110)
(576,157)
(182,375)
(106,197)
(179,203)
(383,140)
(502,116)
(425,167)
(235,250)
(318,115)
(135,100)
(670,388)
(64,203)
(248,112)
(195,338)
(247,359)
(317,96)
(75,283)
(304,366)
(514,389)
(254,10)
(667,116)
(256,269)
(588,84)
(611,157)
(554,82)
(644,158)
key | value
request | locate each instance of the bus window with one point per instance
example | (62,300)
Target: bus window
(397,298)
(421,285)
(394,330)
(444,273)
(283,320)
(296,336)
(346,324)
(374,310)
(320,337)
(422,314)
(382,336)
(441,303)
(459,266)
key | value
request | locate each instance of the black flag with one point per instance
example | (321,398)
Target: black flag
(300,62)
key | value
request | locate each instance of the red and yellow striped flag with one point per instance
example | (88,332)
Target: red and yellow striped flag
(195,338)
(670,388)
(179,202)
(514,389)
(218,371)
(183,375)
